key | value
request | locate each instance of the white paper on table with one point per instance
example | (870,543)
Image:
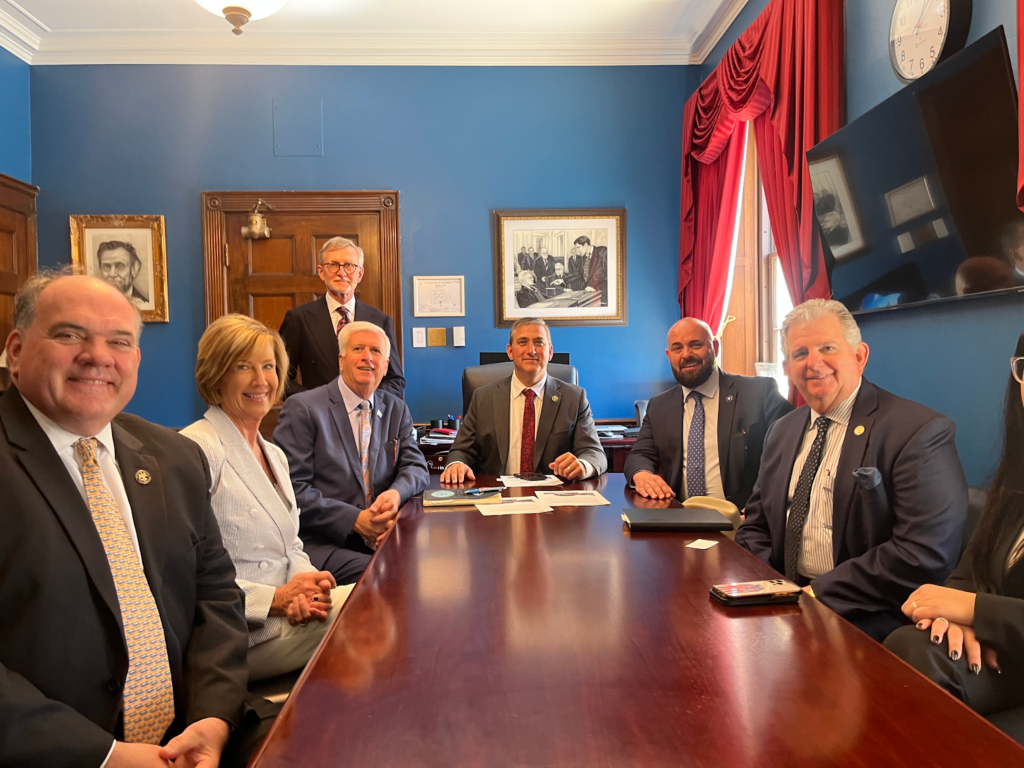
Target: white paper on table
(572,498)
(511,481)
(701,544)
(518,505)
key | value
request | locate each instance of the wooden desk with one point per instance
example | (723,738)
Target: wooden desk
(561,640)
(615,448)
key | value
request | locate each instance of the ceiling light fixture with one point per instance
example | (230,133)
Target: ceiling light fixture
(243,11)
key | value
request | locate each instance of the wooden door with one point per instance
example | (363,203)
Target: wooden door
(17,250)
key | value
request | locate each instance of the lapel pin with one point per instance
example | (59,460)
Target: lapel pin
(380,415)
(728,399)
(554,398)
(143,477)
(859,430)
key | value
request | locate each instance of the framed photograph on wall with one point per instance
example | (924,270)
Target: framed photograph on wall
(130,253)
(567,267)
(834,209)
(439,296)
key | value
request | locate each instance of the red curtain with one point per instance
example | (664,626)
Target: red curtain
(717,207)
(785,74)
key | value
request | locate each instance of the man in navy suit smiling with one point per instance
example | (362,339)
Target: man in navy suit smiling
(352,456)
(861,497)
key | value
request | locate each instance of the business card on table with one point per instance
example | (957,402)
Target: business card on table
(511,481)
(701,544)
(572,498)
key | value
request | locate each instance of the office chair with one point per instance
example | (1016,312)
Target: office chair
(477,376)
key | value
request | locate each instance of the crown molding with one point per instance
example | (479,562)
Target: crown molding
(29,40)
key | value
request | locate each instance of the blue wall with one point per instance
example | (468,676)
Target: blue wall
(456,143)
(15,118)
(952,357)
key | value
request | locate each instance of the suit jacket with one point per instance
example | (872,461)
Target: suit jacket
(528,296)
(63,658)
(313,346)
(747,407)
(595,273)
(315,432)
(554,285)
(260,532)
(893,529)
(566,426)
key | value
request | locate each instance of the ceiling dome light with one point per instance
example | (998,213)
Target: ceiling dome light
(240,12)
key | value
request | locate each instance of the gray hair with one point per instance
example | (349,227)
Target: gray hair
(527,321)
(336,244)
(811,310)
(362,325)
(27,299)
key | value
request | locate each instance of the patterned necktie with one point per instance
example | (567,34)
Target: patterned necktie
(364,449)
(148,692)
(695,480)
(342,321)
(529,432)
(801,506)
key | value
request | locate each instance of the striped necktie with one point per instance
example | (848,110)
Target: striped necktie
(148,691)
(801,506)
(364,449)
(343,320)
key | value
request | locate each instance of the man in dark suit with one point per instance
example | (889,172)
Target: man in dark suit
(527,295)
(861,497)
(529,422)
(310,331)
(543,267)
(704,437)
(593,267)
(557,282)
(524,259)
(352,455)
(124,627)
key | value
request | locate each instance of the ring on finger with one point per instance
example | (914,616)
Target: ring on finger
(940,618)
(914,604)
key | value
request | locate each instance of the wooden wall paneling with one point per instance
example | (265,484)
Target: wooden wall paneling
(18,256)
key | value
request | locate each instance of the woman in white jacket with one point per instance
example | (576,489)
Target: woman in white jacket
(288,603)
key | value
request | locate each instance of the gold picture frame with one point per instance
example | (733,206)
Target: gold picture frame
(130,253)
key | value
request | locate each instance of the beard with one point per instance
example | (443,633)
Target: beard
(123,284)
(692,378)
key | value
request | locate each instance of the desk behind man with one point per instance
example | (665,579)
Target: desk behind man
(310,331)
(123,623)
(529,422)
(704,437)
(861,494)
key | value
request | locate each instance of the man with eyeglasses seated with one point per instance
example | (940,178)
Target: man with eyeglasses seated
(310,331)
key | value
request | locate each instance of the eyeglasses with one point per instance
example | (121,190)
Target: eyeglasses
(1017,368)
(332,267)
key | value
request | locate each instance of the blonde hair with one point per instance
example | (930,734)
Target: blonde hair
(225,342)
(811,310)
(362,325)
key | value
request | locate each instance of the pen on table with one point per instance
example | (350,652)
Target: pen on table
(478,491)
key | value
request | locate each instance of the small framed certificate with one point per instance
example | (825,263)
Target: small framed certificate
(440,296)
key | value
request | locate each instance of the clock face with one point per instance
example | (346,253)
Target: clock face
(918,33)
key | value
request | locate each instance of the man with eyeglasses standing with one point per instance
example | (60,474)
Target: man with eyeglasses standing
(310,331)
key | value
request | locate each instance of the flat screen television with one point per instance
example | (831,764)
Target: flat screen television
(916,199)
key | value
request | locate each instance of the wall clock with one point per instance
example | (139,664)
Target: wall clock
(926,32)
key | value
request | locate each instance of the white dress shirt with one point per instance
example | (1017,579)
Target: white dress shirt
(334,307)
(64,443)
(517,407)
(712,468)
(816,556)
(352,401)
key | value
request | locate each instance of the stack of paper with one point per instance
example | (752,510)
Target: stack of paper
(511,481)
(520,505)
(572,498)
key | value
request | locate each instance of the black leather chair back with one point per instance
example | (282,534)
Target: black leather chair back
(477,376)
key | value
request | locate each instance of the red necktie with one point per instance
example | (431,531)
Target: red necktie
(529,433)
(342,321)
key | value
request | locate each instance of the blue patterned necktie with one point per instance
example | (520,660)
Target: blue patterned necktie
(801,506)
(695,482)
(364,449)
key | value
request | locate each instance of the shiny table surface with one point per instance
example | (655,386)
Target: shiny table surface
(562,640)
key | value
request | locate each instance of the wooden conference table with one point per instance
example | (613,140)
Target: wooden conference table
(563,640)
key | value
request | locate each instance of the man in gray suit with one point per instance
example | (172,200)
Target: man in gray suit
(352,455)
(528,422)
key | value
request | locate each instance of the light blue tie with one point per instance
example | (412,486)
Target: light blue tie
(695,483)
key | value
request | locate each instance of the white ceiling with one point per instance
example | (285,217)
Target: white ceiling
(412,32)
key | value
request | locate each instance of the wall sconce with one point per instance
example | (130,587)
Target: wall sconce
(257,229)
(241,12)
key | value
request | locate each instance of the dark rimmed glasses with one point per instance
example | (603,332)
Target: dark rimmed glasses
(332,267)
(1017,368)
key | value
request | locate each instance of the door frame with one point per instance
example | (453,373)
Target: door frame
(216,206)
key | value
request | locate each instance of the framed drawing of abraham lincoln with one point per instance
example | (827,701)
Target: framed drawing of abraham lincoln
(130,253)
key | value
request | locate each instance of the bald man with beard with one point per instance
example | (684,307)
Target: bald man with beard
(703,437)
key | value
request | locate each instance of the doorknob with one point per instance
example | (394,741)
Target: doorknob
(257,228)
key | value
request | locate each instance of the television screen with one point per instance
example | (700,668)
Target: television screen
(916,199)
